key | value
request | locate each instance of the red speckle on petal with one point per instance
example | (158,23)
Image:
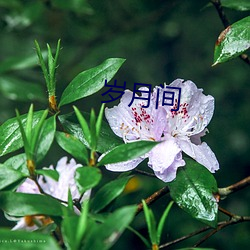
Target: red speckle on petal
(182,112)
(141,115)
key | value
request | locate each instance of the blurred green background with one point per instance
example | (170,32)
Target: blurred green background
(161,41)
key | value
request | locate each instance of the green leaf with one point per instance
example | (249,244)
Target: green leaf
(42,64)
(28,127)
(20,204)
(8,176)
(52,65)
(24,137)
(92,128)
(99,121)
(46,138)
(18,162)
(151,223)
(82,223)
(70,201)
(19,90)
(84,125)
(90,81)
(105,235)
(16,240)
(87,177)
(69,230)
(53,174)
(162,221)
(107,138)
(241,5)
(74,228)
(233,41)
(108,193)
(193,191)
(127,152)
(10,136)
(37,132)
(73,146)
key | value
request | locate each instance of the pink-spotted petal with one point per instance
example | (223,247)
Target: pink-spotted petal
(196,109)
(120,118)
(135,122)
(201,153)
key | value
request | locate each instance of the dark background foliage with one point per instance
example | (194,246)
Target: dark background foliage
(161,41)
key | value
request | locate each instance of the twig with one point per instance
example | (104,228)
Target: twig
(224,211)
(222,15)
(226,23)
(223,192)
(235,220)
(152,198)
(204,229)
(144,173)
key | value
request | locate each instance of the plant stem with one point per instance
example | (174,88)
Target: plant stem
(224,192)
(152,198)
(235,220)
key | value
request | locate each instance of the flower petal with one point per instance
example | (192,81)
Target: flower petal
(196,139)
(134,122)
(165,158)
(120,118)
(59,189)
(201,153)
(196,109)
(29,187)
(125,166)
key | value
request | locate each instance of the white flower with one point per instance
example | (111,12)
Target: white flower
(180,131)
(58,189)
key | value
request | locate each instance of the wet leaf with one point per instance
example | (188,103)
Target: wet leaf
(18,162)
(233,41)
(193,191)
(73,146)
(9,176)
(10,136)
(46,137)
(20,204)
(90,81)
(53,174)
(108,193)
(107,138)
(87,177)
(126,152)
